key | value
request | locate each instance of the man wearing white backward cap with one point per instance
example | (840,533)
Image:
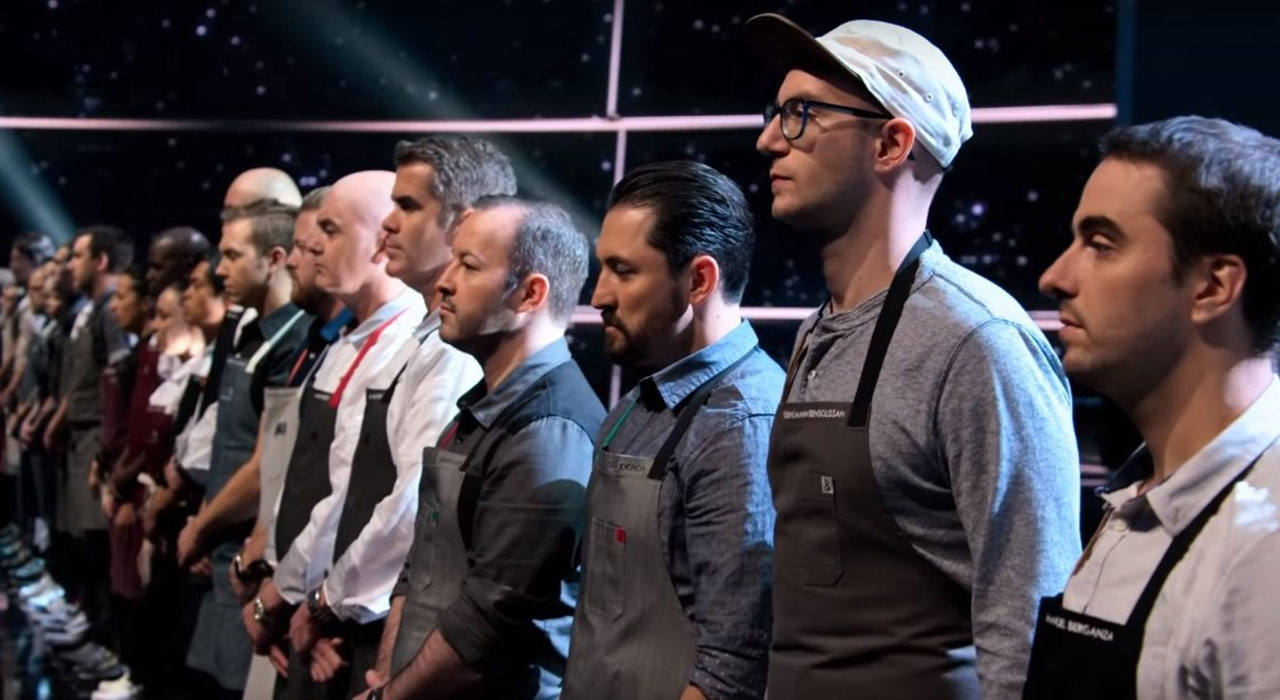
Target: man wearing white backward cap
(916,530)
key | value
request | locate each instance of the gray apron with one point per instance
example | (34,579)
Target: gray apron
(632,639)
(280,418)
(438,563)
(858,612)
(220,645)
(78,509)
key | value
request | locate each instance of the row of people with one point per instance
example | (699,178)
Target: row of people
(407,488)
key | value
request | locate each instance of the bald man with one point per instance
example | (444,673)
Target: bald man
(351,266)
(172,255)
(260,187)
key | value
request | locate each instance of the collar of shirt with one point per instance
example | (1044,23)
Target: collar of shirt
(670,386)
(259,329)
(405,301)
(838,323)
(325,332)
(482,407)
(1178,499)
(429,324)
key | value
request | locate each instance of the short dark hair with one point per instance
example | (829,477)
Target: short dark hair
(1221,195)
(272,230)
(36,246)
(137,276)
(111,242)
(548,243)
(466,169)
(213,257)
(697,210)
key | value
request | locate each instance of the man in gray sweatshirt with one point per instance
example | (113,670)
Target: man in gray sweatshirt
(923,463)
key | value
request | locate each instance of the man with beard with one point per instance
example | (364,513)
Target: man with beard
(490,580)
(925,433)
(675,592)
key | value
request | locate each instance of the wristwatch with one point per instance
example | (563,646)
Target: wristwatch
(319,611)
(260,614)
(253,572)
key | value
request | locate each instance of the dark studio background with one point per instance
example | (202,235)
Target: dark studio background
(1003,211)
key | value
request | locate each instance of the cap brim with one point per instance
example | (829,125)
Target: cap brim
(782,45)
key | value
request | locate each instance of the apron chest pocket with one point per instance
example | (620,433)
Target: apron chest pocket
(606,568)
(818,558)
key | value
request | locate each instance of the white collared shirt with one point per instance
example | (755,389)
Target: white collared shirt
(302,567)
(358,586)
(1215,628)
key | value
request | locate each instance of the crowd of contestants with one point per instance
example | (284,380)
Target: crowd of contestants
(342,449)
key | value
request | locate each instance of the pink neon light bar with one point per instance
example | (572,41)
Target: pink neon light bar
(697,122)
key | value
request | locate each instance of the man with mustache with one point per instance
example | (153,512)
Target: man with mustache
(675,592)
(1170,301)
(490,581)
(925,433)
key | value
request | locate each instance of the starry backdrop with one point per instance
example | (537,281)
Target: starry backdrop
(1003,211)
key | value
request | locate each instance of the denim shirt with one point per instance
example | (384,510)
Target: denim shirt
(715,513)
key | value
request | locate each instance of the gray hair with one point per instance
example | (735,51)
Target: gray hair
(466,169)
(547,243)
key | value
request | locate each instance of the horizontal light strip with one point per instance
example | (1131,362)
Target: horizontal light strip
(587,316)
(692,122)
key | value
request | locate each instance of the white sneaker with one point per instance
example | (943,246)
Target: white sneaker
(116,689)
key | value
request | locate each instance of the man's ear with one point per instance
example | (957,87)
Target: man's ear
(893,147)
(704,278)
(1219,287)
(276,257)
(533,293)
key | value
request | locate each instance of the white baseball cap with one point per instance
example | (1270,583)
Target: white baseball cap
(909,76)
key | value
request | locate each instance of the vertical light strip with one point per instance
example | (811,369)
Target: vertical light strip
(615,62)
(619,149)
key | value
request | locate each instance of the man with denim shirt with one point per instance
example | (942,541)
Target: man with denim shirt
(679,530)
(490,581)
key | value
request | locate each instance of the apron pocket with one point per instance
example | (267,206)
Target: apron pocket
(423,562)
(606,568)
(819,556)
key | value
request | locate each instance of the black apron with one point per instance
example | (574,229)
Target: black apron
(632,639)
(306,481)
(1080,656)
(858,612)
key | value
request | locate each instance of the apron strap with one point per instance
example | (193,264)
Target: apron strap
(391,388)
(364,350)
(271,342)
(1178,548)
(684,417)
(886,323)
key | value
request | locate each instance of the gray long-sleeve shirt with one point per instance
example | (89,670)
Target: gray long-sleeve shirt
(715,516)
(972,446)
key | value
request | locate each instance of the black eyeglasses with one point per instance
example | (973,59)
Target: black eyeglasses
(794,114)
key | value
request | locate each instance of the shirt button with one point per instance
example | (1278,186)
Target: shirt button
(812,373)
(1118,525)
